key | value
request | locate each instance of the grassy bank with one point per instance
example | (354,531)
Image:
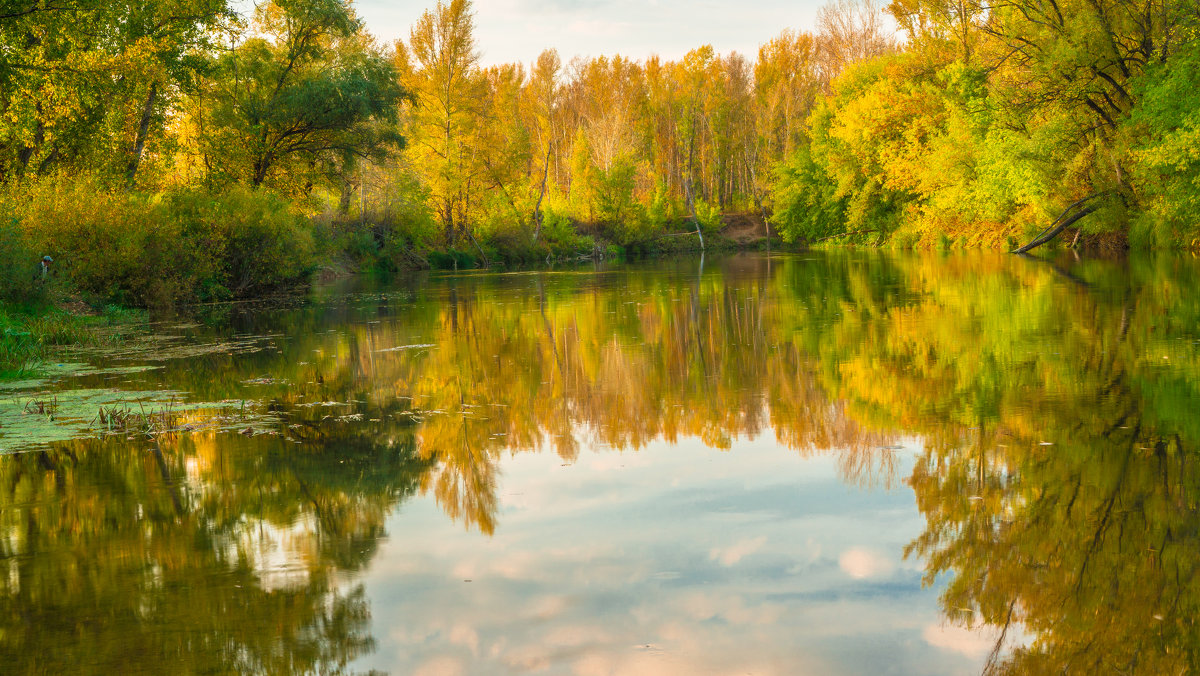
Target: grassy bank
(191,245)
(29,335)
(116,248)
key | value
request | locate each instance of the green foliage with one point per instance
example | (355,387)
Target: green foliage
(20,270)
(453,259)
(253,241)
(109,245)
(807,206)
(613,190)
(966,135)
(391,233)
(27,334)
(708,216)
(660,210)
(19,349)
(83,83)
(155,251)
(561,237)
(1166,153)
(301,104)
(949,141)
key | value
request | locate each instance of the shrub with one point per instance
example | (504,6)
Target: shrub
(709,216)
(142,250)
(253,241)
(108,245)
(452,259)
(563,240)
(20,277)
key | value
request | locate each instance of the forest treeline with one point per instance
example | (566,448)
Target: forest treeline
(176,150)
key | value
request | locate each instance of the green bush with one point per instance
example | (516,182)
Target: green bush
(184,246)
(108,245)
(709,216)
(807,204)
(452,259)
(20,272)
(563,240)
(253,241)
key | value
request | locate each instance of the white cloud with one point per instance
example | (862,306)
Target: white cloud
(861,563)
(441,666)
(973,644)
(730,556)
(619,572)
(466,636)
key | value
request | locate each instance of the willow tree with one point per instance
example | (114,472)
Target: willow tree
(1071,71)
(306,98)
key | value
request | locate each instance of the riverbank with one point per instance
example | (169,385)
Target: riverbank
(189,245)
(109,252)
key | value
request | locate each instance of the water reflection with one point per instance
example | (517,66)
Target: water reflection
(1054,404)
(197,553)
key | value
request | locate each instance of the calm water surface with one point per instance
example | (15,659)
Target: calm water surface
(835,463)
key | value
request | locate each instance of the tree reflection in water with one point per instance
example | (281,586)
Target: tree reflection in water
(1058,477)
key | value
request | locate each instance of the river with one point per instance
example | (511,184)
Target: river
(838,462)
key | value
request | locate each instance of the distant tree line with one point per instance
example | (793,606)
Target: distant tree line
(974,124)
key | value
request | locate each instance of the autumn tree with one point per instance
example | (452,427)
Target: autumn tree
(504,148)
(850,31)
(1070,71)
(541,106)
(445,79)
(85,84)
(1164,149)
(692,121)
(786,87)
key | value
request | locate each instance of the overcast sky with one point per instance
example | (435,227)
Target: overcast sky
(518,30)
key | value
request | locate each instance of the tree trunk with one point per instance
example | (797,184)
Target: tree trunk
(1061,223)
(758,204)
(139,141)
(349,185)
(690,188)
(261,166)
(486,262)
(39,137)
(1055,232)
(448,221)
(537,208)
(692,207)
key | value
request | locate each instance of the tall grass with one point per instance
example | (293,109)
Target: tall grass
(28,335)
(19,352)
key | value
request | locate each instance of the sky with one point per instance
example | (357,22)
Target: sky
(674,559)
(518,30)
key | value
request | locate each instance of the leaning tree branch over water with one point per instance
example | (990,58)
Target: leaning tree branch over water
(1065,220)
